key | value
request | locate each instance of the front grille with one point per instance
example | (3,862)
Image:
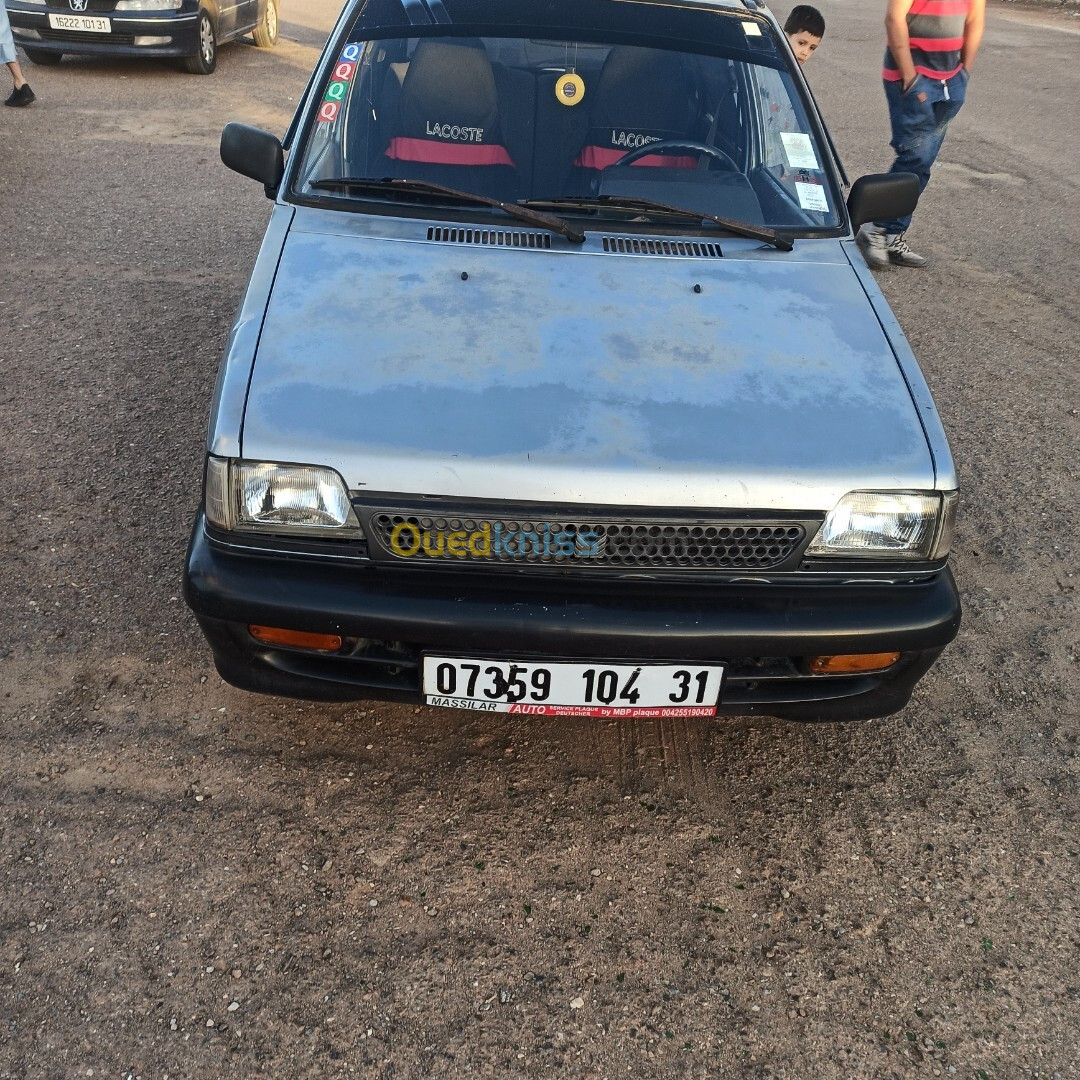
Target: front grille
(93,7)
(75,36)
(589,544)
(489,237)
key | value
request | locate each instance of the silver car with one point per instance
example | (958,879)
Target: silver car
(559,386)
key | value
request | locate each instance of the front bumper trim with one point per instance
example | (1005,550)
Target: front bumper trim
(392,616)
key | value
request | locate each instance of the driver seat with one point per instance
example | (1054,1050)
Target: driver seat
(641,96)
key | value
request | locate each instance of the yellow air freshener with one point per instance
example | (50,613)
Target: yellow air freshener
(570,89)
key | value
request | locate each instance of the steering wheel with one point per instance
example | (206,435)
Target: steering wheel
(676,144)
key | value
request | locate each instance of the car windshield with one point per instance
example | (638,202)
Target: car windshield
(700,112)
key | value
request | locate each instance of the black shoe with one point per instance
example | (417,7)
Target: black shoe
(20,97)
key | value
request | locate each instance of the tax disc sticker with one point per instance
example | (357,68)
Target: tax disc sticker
(570,89)
(812,197)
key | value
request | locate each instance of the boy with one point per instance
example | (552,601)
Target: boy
(805,27)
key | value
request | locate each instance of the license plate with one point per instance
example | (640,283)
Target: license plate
(572,689)
(90,23)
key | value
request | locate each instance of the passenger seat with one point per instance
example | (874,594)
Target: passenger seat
(446,128)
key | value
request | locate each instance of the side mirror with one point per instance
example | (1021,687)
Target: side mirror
(254,153)
(882,196)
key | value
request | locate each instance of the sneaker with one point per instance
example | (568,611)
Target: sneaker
(900,254)
(20,97)
(873,242)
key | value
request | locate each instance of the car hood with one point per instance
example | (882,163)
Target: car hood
(761,379)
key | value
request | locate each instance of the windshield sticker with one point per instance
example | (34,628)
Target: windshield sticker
(751,29)
(344,70)
(570,89)
(799,150)
(811,197)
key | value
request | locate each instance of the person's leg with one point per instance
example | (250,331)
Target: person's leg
(918,129)
(16,74)
(22,95)
(914,138)
(7,46)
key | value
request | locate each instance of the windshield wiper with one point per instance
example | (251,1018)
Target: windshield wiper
(629,202)
(522,213)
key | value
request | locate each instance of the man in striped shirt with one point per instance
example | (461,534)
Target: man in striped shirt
(932,45)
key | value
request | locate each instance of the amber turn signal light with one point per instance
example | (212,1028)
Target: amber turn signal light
(296,639)
(850,662)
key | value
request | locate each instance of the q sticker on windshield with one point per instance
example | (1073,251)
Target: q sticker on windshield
(751,29)
(812,197)
(344,70)
(799,150)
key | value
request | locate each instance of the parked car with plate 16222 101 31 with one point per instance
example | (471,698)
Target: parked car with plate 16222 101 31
(560,388)
(189,29)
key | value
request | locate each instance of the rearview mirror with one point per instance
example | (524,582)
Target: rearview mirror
(254,153)
(881,196)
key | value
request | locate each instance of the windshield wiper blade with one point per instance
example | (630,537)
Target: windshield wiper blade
(522,213)
(630,202)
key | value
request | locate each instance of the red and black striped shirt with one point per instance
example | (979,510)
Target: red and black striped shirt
(936,35)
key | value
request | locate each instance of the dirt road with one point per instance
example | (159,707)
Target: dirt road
(200,883)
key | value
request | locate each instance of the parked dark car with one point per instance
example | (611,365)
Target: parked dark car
(190,29)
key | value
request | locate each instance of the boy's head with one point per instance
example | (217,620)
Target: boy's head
(805,28)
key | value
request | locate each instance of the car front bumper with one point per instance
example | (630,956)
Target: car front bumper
(135,34)
(765,634)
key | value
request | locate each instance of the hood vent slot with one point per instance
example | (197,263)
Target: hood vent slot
(489,237)
(632,245)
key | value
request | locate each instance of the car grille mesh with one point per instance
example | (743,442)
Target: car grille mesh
(719,545)
(87,36)
(92,6)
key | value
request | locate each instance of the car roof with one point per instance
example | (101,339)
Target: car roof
(659,21)
(723,5)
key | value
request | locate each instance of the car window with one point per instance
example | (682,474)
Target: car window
(552,119)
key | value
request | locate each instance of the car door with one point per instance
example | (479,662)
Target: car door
(247,14)
(227,18)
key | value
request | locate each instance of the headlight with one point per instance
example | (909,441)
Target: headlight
(263,496)
(887,525)
(148,5)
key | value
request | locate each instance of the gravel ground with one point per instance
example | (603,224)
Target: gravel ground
(200,883)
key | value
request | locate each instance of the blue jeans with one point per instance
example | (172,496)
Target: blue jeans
(7,43)
(918,128)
